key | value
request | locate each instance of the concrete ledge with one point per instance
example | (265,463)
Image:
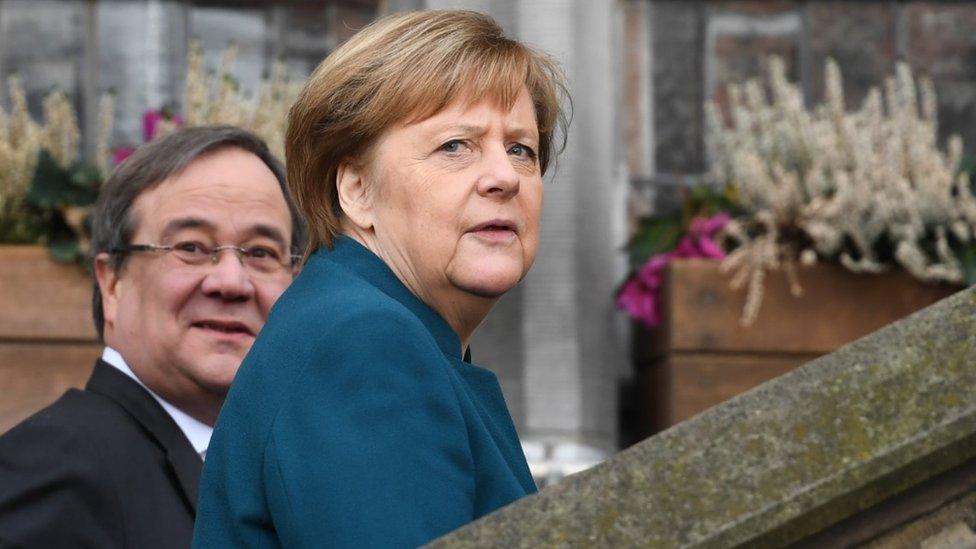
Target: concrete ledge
(781,462)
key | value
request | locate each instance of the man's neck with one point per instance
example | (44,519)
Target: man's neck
(196,432)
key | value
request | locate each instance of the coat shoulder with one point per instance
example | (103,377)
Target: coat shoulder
(79,418)
(84,472)
(336,306)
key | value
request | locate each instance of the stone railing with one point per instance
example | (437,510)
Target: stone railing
(856,447)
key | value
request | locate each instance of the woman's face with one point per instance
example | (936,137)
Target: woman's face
(455,199)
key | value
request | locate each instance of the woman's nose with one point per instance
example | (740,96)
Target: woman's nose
(499,177)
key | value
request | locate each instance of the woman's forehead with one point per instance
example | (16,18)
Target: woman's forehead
(478,116)
(421,102)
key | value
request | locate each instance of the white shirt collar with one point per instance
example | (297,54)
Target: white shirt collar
(197,432)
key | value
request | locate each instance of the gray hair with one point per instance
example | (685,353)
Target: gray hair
(113,223)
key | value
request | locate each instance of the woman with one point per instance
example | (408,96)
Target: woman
(416,152)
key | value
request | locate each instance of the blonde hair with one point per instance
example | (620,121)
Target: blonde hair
(401,69)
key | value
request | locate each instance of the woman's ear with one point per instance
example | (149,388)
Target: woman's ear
(353,196)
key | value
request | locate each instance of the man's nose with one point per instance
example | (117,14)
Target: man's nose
(499,177)
(228,278)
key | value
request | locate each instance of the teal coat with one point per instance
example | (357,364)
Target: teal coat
(354,422)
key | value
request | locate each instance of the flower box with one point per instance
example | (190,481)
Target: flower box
(700,355)
(47,341)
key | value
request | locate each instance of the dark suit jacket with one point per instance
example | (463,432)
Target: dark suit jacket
(103,467)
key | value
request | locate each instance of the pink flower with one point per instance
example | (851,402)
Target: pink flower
(151,119)
(652,273)
(639,302)
(699,242)
(641,294)
(121,154)
(708,226)
(686,248)
(710,249)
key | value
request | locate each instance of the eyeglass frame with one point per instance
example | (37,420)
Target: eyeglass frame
(214,253)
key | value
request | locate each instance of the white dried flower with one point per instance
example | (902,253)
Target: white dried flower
(106,118)
(218,99)
(60,134)
(19,144)
(843,180)
(808,258)
(22,139)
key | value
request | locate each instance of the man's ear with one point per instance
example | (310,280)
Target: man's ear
(354,198)
(108,285)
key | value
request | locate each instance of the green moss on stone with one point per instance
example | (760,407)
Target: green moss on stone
(782,461)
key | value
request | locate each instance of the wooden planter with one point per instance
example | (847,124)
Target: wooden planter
(701,356)
(47,340)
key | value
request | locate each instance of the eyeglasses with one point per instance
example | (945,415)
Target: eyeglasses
(258,259)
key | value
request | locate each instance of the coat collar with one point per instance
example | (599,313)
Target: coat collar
(356,257)
(186,463)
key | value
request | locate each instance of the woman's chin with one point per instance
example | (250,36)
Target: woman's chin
(490,284)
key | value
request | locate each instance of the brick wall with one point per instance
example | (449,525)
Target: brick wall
(697,47)
(138,49)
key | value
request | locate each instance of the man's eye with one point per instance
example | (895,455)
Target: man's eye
(261,252)
(191,248)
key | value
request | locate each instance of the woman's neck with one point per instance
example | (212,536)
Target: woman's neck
(462,310)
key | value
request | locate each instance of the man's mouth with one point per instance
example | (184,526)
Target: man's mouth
(224,326)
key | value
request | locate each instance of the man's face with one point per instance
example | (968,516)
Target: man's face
(182,328)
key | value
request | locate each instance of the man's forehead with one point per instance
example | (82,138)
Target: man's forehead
(218,192)
(248,229)
(224,173)
(205,211)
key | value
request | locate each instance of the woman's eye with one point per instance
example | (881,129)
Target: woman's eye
(452,146)
(519,149)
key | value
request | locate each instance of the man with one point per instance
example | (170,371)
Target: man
(193,241)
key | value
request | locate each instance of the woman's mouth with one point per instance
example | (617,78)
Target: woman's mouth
(496,230)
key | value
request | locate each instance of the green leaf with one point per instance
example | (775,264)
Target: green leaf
(49,181)
(62,242)
(967,257)
(705,200)
(85,176)
(85,181)
(53,186)
(968,164)
(65,250)
(23,225)
(654,235)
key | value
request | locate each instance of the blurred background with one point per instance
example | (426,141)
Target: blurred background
(582,378)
